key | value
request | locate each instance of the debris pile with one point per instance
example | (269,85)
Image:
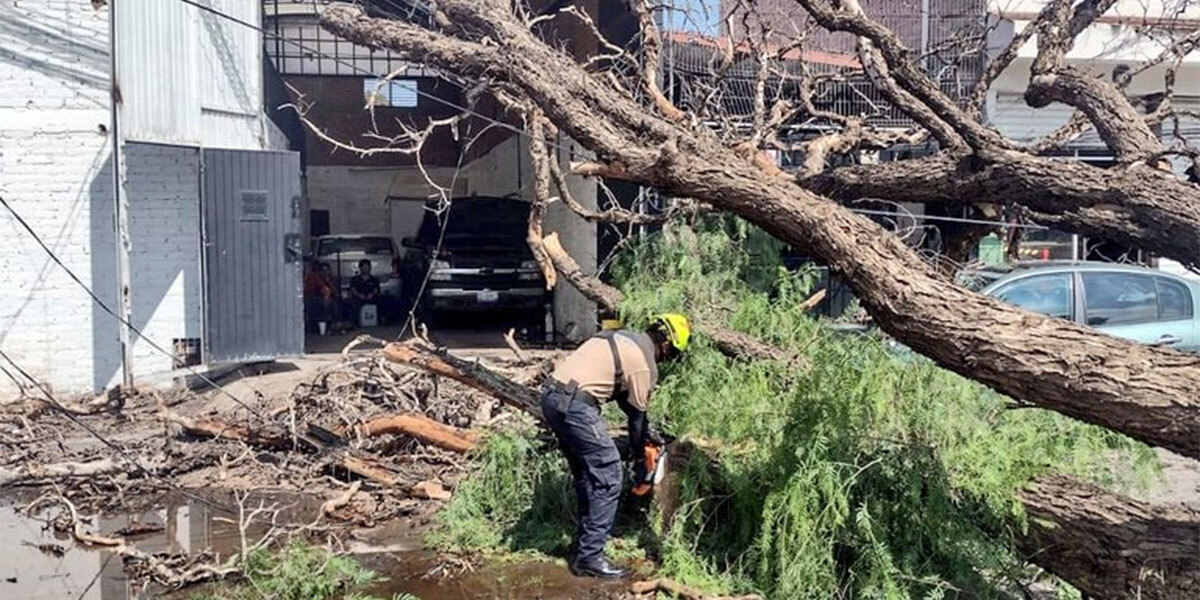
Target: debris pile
(372,440)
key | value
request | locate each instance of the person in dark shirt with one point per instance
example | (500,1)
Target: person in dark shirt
(364,289)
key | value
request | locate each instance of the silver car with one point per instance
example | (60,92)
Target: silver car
(1136,303)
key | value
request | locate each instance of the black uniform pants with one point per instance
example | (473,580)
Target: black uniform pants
(595,466)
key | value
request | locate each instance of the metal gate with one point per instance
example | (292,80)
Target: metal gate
(253,296)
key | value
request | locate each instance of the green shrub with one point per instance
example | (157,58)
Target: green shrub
(297,571)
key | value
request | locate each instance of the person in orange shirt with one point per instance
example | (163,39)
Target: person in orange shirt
(319,297)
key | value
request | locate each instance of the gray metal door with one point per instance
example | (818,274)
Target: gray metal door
(254,307)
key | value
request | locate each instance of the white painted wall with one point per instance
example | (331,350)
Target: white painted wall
(357,197)
(55,171)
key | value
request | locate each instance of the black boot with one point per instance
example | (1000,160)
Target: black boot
(597,567)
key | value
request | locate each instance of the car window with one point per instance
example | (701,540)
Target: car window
(1046,294)
(1174,300)
(366,245)
(1119,298)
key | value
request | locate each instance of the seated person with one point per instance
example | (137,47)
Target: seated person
(364,289)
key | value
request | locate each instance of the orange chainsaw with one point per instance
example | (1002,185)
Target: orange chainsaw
(649,471)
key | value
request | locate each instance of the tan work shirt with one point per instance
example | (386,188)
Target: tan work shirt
(591,366)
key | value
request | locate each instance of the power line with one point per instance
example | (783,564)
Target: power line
(56,405)
(104,306)
(884,213)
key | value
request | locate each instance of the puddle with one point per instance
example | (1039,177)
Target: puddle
(39,564)
(407,573)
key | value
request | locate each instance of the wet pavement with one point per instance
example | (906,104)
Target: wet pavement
(39,564)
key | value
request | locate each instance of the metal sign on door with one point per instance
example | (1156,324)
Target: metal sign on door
(254,307)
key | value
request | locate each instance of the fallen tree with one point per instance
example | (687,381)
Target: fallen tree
(1106,544)
(1147,393)
(1110,546)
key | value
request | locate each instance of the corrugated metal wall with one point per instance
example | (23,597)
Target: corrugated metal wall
(188,76)
(252,256)
(158,65)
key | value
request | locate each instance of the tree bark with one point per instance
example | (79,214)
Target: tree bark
(1147,393)
(439,362)
(422,428)
(34,472)
(1110,546)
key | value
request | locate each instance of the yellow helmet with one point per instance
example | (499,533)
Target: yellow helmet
(677,328)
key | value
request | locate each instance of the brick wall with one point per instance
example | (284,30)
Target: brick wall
(56,171)
(54,162)
(164,225)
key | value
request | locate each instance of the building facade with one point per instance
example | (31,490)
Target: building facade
(189,83)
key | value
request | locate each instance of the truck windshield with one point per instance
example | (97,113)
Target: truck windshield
(478,221)
(364,245)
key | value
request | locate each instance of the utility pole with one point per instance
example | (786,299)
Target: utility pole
(925,33)
(120,206)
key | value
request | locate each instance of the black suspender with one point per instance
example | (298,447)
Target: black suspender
(618,369)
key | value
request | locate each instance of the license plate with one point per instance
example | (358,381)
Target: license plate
(487,296)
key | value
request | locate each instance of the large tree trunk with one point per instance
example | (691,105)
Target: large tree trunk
(1105,544)
(1144,392)
(1110,546)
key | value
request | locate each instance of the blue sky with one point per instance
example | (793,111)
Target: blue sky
(703,16)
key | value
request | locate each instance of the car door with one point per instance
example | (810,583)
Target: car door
(1129,305)
(1049,293)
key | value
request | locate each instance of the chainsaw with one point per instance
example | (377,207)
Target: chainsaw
(649,471)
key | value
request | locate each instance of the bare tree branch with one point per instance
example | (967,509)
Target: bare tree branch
(541,195)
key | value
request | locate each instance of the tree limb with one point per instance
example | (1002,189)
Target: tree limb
(541,196)
(1147,393)
(1138,206)
(1111,546)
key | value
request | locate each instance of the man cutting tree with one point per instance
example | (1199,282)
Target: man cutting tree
(615,365)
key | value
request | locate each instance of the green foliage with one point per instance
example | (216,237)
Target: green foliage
(295,572)
(519,498)
(863,474)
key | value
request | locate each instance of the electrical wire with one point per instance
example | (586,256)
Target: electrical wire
(884,213)
(56,405)
(106,308)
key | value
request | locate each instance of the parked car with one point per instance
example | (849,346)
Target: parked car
(1135,303)
(343,252)
(476,258)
